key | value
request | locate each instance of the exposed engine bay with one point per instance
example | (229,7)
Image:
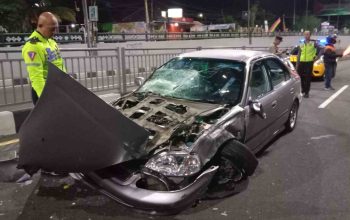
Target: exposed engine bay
(170,123)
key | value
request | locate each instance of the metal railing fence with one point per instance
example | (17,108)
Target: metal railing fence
(96,69)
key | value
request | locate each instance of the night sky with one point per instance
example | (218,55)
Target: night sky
(121,10)
(133,10)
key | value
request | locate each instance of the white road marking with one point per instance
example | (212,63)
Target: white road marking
(322,136)
(9,142)
(335,95)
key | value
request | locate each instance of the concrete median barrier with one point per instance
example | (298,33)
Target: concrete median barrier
(8,126)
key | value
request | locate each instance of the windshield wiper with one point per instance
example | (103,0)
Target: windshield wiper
(148,93)
(205,100)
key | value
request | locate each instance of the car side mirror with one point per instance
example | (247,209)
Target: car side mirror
(139,80)
(257,107)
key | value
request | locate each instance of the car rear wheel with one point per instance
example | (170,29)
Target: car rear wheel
(236,162)
(293,116)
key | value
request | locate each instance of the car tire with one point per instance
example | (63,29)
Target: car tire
(236,162)
(293,117)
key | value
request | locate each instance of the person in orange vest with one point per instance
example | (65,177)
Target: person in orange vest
(329,59)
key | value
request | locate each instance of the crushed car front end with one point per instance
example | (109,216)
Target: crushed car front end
(152,149)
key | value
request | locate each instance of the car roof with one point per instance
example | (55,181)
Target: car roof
(227,54)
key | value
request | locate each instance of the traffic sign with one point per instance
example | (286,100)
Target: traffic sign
(93,13)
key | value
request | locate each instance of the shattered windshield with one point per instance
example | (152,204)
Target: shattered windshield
(198,79)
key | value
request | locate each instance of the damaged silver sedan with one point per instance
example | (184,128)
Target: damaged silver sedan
(188,132)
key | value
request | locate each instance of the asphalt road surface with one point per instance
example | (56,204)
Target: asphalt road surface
(301,175)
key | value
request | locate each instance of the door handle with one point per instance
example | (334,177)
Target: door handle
(274,104)
(291,91)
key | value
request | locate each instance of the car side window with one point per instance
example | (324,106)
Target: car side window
(278,72)
(259,82)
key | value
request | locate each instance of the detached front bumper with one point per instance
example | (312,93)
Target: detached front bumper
(155,202)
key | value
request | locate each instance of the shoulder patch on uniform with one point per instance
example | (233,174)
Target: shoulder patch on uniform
(34,40)
(31,55)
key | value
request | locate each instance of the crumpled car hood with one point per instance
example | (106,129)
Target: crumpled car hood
(72,130)
(159,115)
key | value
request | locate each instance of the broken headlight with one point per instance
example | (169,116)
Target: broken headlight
(175,163)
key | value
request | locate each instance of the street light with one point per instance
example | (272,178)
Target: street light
(200,15)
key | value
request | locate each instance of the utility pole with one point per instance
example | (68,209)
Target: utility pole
(338,15)
(152,10)
(249,33)
(294,15)
(306,17)
(147,16)
(86,23)
(223,16)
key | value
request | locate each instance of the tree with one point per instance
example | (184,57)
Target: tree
(21,15)
(228,19)
(11,13)
(307,23)
(253,12)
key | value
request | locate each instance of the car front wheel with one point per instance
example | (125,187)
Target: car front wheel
(236,162)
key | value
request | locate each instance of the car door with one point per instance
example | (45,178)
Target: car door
(283,88)
(260,90)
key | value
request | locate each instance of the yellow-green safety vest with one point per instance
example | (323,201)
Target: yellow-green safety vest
(308,52)
(37,52)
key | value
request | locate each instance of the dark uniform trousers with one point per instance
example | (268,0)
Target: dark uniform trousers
(34,97)
(305,72)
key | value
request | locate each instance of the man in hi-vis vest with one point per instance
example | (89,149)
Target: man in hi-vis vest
(307,54)
(40,49)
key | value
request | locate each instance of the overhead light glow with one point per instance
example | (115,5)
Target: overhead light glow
(163,14)
(175,13)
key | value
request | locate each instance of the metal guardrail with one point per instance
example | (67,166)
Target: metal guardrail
(97,69)
(16,39)
(123,37)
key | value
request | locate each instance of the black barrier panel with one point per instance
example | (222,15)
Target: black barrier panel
(72,130)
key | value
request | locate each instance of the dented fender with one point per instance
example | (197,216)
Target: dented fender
(231,126)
